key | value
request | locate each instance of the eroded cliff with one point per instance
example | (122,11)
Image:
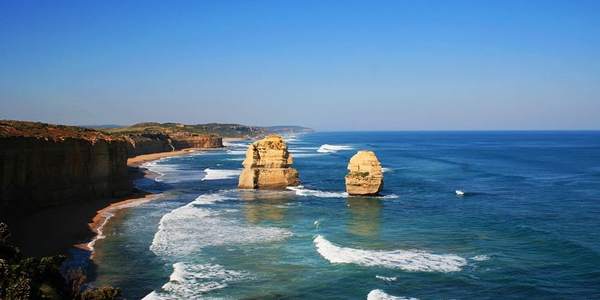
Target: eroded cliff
(148,143)
(44,165)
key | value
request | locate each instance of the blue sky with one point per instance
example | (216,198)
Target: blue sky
(330,65)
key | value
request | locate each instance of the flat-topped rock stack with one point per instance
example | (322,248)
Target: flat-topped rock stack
(268,165)
(365,177)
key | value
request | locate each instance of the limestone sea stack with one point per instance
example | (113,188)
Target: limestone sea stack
(268,165)
(365,177)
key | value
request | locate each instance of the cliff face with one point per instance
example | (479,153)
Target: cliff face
(43,165)
(140,144)
(268,165)
(147,143)
(365,177)
(182,141)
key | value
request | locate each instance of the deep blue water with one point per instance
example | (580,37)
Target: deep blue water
(528,226)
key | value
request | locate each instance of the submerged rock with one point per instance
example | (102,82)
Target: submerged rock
(268,165)
(365,177)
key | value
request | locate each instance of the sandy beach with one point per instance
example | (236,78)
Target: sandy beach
(55,230)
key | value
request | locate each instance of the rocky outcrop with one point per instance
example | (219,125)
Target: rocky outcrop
(268,165)
(365,177)
(140,144)
(43,165)
(182,141)
(148,143)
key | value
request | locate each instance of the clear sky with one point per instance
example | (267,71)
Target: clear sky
(330,65)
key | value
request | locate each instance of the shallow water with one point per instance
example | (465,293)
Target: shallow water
(527,226)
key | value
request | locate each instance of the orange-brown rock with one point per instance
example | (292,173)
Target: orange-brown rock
(268,165)
(365,177)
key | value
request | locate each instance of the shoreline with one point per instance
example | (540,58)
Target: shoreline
(57,230)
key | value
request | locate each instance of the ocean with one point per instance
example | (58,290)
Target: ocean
(527,226)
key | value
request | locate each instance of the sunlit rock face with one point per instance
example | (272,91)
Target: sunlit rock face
(268,165)
(365,177)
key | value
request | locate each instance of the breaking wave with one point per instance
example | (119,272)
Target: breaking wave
(172,173)
(301,191)
(236,145)
(381,295)
(326,148)
(192,227)
(192,281)
(107,214)
(385,278)
(212,174)
(409,260)
(236,152)
(480,258)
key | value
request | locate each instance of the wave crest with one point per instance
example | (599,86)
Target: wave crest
(381,295)
(190,228)
(301,191)
(326,148)
(191,281)
(212,174)
(409,260)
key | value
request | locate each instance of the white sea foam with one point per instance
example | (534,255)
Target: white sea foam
(381,295)
(194,226)
(172,173)
(385,278)
(189,279)
(208,199)
(304,154)
(236,152)
(212,174)
(301,191)
(160,169)
(236,159)
(192,281)
(236,145)
(326,148)
(480,258)
(385,170)
(107,215)
(409,260)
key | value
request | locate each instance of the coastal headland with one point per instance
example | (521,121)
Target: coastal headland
(56,181)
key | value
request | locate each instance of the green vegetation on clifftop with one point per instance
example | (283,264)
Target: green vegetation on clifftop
(223,130)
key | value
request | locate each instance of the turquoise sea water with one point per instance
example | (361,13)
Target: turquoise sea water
(528,226)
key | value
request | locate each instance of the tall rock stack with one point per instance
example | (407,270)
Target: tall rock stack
(268,165)
(365,177)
